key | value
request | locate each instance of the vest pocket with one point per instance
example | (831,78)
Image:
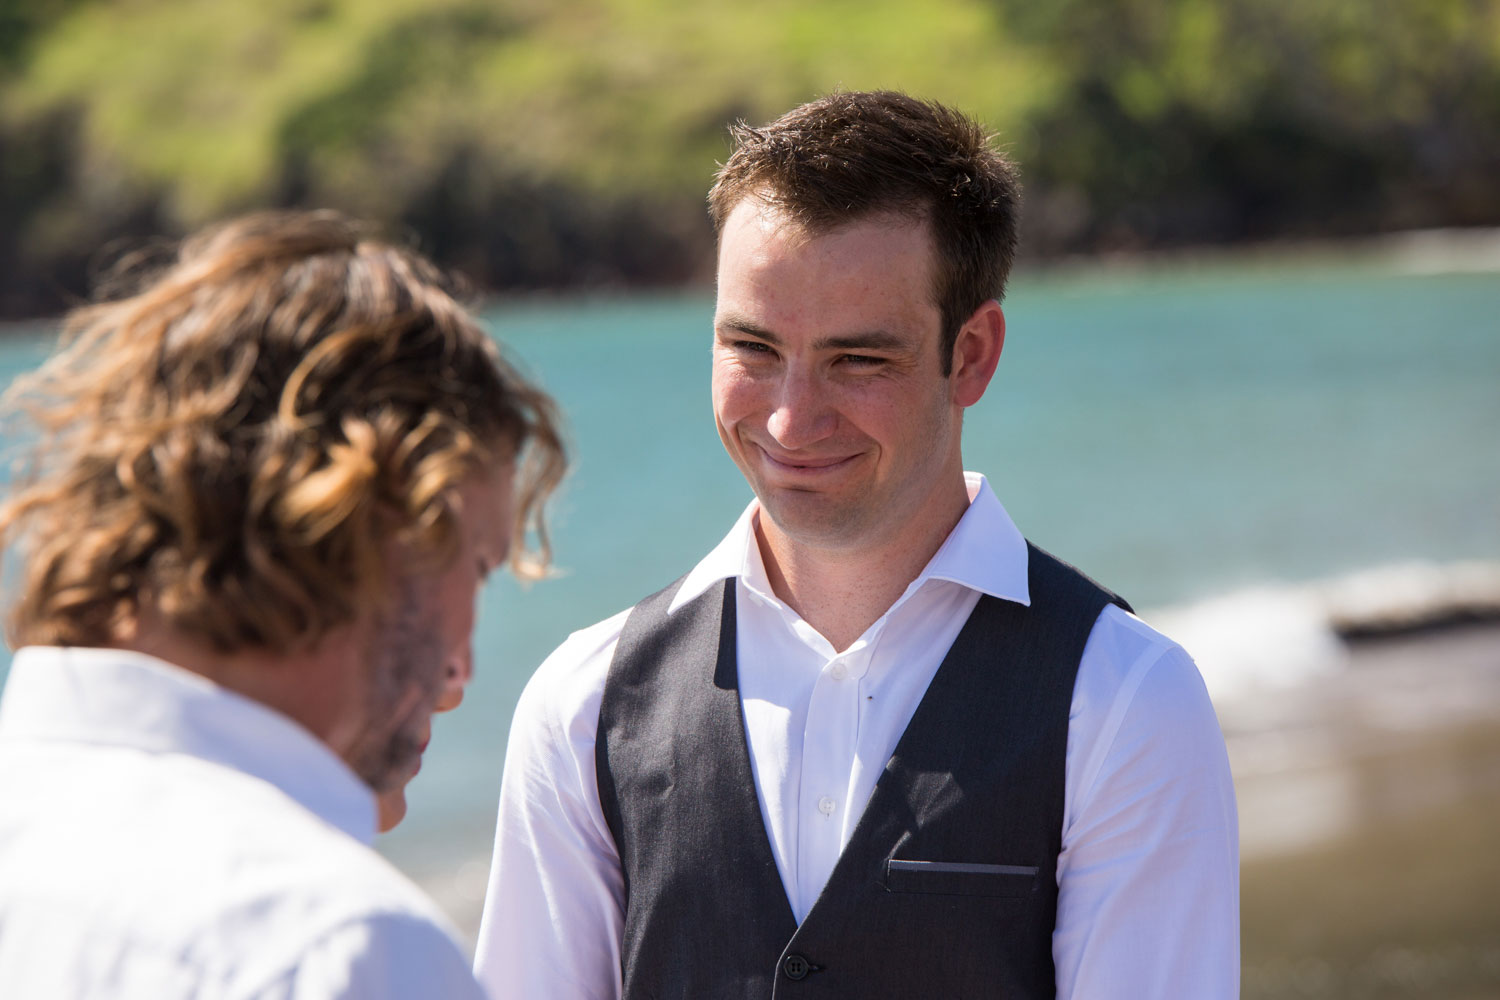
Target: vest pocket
(959,879)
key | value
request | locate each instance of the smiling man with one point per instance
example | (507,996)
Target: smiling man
(874,744)
(266,488)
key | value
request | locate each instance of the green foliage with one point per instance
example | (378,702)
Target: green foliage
(211,101)
(1194,120)
(22,23)
(1138,122)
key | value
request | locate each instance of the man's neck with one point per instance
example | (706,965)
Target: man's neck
(317,687)
(842,591)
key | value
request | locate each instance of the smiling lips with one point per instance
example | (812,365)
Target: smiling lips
(806,466)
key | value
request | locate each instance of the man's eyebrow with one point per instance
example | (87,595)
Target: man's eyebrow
(875,340)
(735,325)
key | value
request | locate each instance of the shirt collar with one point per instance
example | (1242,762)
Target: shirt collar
(112,697)
(984,552)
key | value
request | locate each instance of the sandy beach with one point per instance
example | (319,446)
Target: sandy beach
(1370,820)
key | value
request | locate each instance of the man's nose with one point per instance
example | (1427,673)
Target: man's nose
(803,413)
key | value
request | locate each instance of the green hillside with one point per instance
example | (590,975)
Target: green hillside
(570,143)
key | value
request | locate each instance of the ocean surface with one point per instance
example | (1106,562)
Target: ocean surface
(1237,449)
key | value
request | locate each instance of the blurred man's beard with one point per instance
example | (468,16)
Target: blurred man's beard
(406,675)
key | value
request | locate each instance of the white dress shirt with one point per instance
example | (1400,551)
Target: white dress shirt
(164,838)
(1148,877)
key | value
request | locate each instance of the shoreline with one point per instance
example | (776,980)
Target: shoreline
(1411,724)
(1453,250)
(1369,817)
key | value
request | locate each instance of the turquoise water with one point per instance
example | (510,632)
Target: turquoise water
(1176,433)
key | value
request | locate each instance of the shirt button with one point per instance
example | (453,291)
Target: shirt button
(839,671)
(826,806)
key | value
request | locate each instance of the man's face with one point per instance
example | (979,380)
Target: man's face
(420,653)
(827,388)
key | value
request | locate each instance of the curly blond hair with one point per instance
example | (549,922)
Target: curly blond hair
(235,444)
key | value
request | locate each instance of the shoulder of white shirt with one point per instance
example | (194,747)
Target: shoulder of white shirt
(570,682)
(210,849)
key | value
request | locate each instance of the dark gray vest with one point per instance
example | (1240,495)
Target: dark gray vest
(948,885)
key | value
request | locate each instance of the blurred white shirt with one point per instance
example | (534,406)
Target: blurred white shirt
(162,838)
(1148,877)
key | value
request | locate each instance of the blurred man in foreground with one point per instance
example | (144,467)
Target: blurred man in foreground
(266,489)
(874,744)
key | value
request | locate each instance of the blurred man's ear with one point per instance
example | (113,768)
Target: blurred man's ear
(976,352)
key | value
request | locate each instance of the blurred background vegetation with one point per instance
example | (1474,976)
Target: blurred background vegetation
(569,144)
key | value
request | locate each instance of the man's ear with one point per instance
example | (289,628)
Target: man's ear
(976,352)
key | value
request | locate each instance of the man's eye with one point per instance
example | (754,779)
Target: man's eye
(862,360)
(752,347)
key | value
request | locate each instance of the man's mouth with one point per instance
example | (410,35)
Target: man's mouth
(806,464)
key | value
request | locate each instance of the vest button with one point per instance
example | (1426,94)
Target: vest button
(796,967)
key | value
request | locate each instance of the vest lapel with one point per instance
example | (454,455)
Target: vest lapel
(729,718)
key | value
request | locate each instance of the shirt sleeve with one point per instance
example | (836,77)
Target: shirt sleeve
(554,908)
(1148,877)
(385,957)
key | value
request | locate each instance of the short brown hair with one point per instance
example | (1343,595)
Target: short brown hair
(235,442)
(842,157)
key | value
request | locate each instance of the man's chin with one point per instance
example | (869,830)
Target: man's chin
(390,809)
(390,766)
(812,519)
(406,765)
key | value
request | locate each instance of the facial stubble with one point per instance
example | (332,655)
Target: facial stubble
(405,655)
